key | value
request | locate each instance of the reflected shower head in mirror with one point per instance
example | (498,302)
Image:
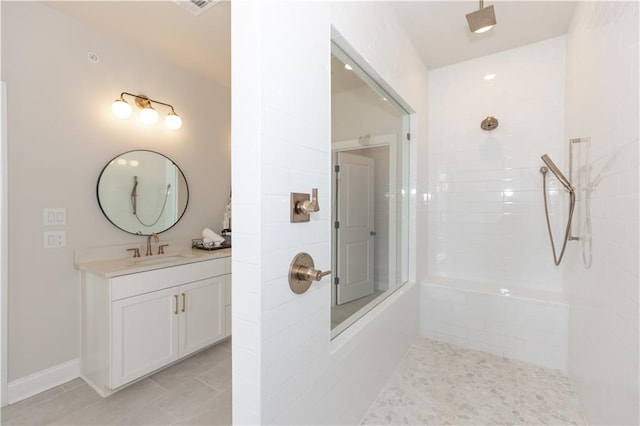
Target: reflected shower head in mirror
(556,171)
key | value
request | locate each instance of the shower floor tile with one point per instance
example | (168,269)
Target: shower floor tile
(440,383)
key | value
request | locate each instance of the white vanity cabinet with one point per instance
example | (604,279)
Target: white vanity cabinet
(137,323)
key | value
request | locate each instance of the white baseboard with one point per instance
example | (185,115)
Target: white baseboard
(42,380)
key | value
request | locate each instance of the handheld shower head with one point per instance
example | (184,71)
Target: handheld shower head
(134,195)
(556,171)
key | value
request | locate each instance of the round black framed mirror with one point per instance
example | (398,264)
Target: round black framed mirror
(142,192)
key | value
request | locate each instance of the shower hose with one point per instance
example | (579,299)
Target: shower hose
(567,232)
(134,205)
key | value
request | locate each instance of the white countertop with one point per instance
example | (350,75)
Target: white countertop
(124,266)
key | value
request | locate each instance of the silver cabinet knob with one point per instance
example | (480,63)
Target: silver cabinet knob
(302,271)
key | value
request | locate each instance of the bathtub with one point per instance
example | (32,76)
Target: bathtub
(521,324)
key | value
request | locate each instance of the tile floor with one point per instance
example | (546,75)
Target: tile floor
(436,383)
(439,383)
(196,391)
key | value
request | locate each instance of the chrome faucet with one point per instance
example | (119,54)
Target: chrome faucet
(155,237)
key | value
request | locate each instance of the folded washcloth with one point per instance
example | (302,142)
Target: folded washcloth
(209,236)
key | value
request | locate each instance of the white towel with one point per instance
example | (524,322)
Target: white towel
(208,236)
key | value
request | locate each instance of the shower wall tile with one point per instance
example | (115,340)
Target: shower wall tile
(602,103)
(513,327)
(288,370)
(485,207)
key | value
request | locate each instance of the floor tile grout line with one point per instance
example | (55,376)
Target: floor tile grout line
(31,406)
(208,385)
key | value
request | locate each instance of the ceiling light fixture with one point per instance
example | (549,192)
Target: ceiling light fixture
(148,114)
(348,67)
(481,20)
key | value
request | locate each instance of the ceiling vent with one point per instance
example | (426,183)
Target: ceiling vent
(196,6)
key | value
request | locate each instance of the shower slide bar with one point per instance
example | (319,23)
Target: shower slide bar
(572,142)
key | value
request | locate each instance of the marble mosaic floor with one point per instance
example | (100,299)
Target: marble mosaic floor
(442,384)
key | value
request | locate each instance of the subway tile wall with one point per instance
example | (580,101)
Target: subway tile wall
(602,103)
(529,330)
(285,368)
(485,207)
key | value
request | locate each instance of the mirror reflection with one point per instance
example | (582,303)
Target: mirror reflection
(369,202)
(142,192)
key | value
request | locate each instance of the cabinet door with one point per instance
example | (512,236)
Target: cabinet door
(202,315)
(145,334)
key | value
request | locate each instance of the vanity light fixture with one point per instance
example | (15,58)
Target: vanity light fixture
(481,20)
(148,114)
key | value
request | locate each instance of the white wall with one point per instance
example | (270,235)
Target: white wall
(602,103)
(61,134)
(3,238)
(477,316)
(485,208)
(285,369)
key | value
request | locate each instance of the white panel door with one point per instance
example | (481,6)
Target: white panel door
(354,236)
(202,314)
(145,334)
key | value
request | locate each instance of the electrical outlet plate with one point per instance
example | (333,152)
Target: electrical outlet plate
(55,239)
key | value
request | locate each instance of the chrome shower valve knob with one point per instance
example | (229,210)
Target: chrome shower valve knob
(302,271)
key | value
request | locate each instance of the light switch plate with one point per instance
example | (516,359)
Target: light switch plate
(55,216)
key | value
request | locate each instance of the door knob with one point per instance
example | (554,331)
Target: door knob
(302,271)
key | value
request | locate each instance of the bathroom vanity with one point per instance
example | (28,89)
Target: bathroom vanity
(139,315)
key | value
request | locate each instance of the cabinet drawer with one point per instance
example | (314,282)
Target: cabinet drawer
(145,282)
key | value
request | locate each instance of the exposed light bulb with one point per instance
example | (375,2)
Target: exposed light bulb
(173,121)
(121,108)
(148,115)
(348,67)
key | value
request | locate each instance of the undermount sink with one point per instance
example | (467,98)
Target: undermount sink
(155,260)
